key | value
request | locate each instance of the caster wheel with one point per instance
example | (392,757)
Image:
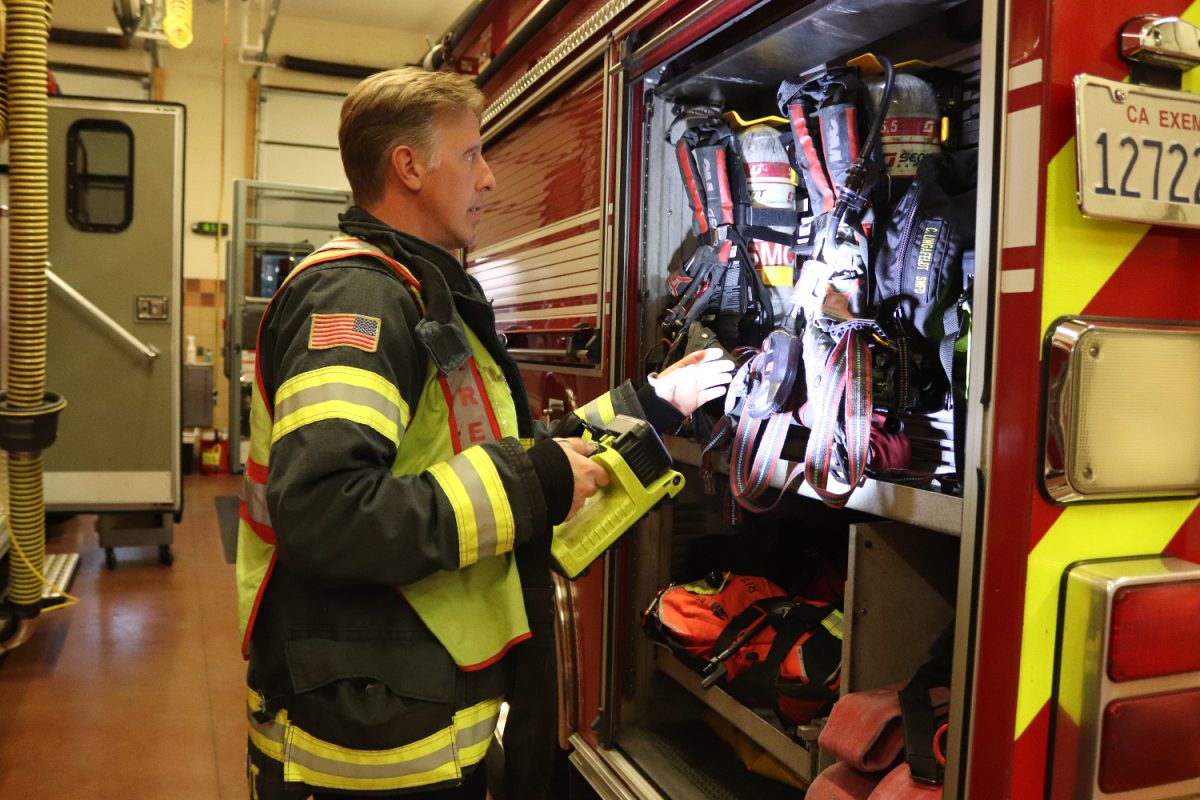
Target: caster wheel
(165,556)
(110,558)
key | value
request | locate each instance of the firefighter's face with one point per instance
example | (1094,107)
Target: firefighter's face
(457,186)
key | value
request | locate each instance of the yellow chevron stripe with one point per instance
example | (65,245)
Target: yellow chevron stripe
(1080,257)
(1082,532)
(1081,254)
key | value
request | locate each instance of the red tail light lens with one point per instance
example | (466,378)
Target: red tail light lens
(1155,631)
(1150,741)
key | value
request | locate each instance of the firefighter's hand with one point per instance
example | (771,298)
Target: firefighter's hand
(694,380)
(589,476)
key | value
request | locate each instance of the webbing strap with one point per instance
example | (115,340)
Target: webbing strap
(847,376)
(916,715)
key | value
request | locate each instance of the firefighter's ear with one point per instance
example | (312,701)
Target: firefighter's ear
(407,167)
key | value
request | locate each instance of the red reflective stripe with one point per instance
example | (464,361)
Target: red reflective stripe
(723,183)
(689,181)
(449,395)
(815,171)
(503,651)
(852,127)
(487,401)
(262,587)
(256,471)
(264,532)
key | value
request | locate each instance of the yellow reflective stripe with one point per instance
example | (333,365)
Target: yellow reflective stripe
(268,737)
(336,410)
(437,758)
(503,534)
(460,501)
(319,763)
(473,728)
(1080,533)
(526,443)
(598,412)
(833,623)
(356,395)
(1081,253)
(352,376)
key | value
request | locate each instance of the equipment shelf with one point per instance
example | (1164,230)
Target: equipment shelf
(798,758)
(927,509)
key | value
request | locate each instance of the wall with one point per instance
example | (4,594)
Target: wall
(207,78)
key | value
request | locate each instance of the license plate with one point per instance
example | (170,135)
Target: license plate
(1138,152)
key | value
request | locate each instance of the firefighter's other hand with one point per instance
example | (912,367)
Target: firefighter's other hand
(589,476)
(694,380)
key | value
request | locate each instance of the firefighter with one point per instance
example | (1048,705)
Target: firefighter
(396,512)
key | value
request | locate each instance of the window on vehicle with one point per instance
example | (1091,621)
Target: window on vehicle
(100,175)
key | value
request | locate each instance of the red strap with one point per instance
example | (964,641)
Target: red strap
(847,375)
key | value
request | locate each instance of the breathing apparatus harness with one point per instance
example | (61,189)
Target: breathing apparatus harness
(826,326)
(719,282)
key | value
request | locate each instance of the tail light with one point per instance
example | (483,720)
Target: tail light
(1127,681)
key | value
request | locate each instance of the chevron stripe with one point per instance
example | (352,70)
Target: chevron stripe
(1081,257)
(1082,532)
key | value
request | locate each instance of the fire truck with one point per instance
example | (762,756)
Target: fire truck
(1066,557)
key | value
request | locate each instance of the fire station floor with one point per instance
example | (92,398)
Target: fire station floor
(137,691)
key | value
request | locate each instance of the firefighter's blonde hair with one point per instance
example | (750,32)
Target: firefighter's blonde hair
(393,108)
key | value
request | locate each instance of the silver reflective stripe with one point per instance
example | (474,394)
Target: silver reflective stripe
(254,495)
(346,769)
(271,730)
(344,392)
(469,404)
(479,732)
(481,504)
(591,414)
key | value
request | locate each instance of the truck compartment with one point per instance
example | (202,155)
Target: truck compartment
(902,547)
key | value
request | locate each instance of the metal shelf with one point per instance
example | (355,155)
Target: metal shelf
(926,509)
(796,756)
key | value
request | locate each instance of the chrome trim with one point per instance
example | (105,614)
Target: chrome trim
(566,645)
(980,409)
(585,31)
(1081,677)
(597,773)
(672,30)
(1160,41)
(610,770)
(1066,347)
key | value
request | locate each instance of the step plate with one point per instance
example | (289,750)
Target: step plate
(60,572)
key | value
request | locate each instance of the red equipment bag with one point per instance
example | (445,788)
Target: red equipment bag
(768,650)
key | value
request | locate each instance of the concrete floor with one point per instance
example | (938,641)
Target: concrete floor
(137,693)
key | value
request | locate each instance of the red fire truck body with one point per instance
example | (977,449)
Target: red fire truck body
(586,223)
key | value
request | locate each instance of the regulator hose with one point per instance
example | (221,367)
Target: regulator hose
(853,192)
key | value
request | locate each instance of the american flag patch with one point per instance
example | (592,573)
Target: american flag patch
(343,330)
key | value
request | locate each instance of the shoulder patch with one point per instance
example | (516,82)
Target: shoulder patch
(344,330)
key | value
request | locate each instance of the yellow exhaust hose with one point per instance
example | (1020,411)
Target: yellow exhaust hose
(25,401)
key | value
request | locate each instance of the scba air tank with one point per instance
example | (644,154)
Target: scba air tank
(771,183)
(910,126)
